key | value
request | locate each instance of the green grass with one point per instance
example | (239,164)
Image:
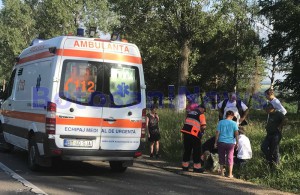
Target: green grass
(285,177)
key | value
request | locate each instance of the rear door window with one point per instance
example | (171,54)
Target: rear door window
(100,84)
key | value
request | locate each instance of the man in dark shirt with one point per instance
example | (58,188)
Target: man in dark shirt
(209,145)
(270,145)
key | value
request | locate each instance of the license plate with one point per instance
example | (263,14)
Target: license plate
(78,143)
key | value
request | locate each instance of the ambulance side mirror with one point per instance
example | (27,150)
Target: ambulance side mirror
(3,97)
(1,94)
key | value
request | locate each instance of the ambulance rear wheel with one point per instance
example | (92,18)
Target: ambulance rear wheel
(117,166)
(33,155)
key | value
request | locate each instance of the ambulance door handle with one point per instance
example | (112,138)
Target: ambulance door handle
(110,119)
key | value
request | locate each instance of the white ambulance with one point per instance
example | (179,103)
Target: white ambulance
(80,99)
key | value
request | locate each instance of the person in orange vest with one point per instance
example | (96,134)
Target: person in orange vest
(193,129)
(191,105)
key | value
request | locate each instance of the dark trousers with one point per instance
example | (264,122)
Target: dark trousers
(270,148)
(190,143)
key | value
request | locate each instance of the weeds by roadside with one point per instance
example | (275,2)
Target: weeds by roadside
(285,177)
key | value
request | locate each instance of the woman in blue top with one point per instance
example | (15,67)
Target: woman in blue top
(227,132)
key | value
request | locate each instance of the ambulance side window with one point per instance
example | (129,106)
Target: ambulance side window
(10,85)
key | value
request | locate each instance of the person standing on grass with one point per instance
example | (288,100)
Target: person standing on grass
(238,107)
(152,121)
(270,145)
(270,95)
(227,138)
(193,129)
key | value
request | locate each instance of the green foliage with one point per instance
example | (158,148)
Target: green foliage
(199,37)
(170,125)
(284,40)
(64,17)
(284,177)
(17,29)
(177,40)
(22,21)
(165,32)
(55,17)
(97,13)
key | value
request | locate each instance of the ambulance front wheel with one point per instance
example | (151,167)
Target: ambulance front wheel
(117,166)
(33,155)
(4,146)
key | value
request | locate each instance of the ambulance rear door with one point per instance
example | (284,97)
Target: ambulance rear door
(122,116)
(80,115)
(79,112)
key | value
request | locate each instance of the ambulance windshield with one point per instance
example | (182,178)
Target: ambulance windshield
(100,84)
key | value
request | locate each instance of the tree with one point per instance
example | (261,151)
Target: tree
(22,21)
(17,30)
(284,40)
(56,17)
(238,43)
(166,29)
(193,43)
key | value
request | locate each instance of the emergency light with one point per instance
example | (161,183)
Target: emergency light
(115,36)
(36,41)
(80,32)
(92,31)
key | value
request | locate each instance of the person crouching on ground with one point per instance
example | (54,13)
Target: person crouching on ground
(244,150)
(152,121)
(193,129)
(227,131)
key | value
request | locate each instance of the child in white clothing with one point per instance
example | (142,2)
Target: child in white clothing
(244,150)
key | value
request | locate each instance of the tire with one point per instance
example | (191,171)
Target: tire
(33,155)
(4,146)
(117,166)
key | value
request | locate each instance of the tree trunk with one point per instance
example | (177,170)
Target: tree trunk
(256,83)
(273,71)
(184,64)
(183,73)
(235,75)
